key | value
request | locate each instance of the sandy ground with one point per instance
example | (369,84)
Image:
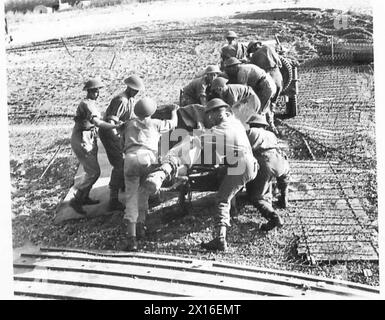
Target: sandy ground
(38,27)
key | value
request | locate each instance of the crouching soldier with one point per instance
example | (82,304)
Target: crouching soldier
(257,78)
(235,154)
(196,91)
(121,108)
(273,164)
(84,144)
(140,138)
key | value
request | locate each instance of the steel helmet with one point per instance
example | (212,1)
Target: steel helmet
(232,62)
(251,44)
(93,84)
(219,82)
(231,34)
(145,107)
(134,82)
(257,119)
(212,69)
(215,104)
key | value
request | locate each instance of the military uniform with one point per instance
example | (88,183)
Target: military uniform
(268,59)
(273,164)
(140,140)
(193,92)
(260,81)
(236,93)
(237,50)
(121,108)
(241,165)
(84,145)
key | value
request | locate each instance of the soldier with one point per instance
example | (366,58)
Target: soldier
(196,91)
(236,154)
(121,108)
(234,94)
(233,49)
(140,138)
(273,164)
(267,58)
(84,144)
(259,80)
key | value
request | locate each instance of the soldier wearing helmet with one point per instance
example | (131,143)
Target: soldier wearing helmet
(273,164)
(121,108)
(84,144)
(227,138)
(233,49)
(197,90)
(257,78)
(268,59)
(140,138)
(235,94)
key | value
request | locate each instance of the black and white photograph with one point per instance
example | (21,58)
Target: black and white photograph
(197,150)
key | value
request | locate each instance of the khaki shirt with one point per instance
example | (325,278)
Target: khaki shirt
(250,75)
(236,93)
(196,88)
(144,134)
(122,107)
(266,58)
(85,112)
(231,142)
(261,139)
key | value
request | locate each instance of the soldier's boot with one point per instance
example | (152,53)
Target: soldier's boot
(273,218)
(154,180)
(131,243)
(114,204)
(140,230)
(283,186)
(76,203)
(89,201)
(219,242)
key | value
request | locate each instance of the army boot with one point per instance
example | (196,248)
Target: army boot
(273,219)
(76,203)
(283,186)
(219,242)
(89,202)
(114,203)
(140,230)
(131,244)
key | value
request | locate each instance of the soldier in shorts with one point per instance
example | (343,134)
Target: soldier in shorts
(84,144)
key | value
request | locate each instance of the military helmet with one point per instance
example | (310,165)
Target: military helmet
(232,62)
(257,119)
(251,44)
(134,82)
(212,69)
(219,82)
(215,104)
(231,34)
(93,84)
(145,107)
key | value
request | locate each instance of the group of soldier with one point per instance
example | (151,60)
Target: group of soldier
(130,136)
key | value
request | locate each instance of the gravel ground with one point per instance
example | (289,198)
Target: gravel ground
(169,54)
